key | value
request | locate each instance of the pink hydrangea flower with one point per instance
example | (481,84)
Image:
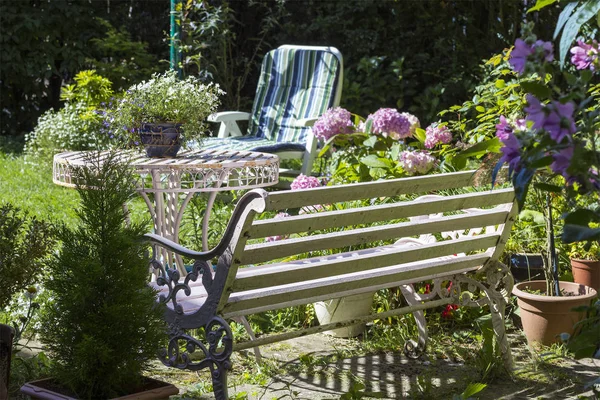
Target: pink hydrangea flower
(436,134)
(417,162)
(413,121)
(305,182)
(585,56)
(333,122)
(278,237)
(389,122)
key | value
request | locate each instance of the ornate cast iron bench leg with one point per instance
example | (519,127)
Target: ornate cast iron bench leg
(414,349)
(217,353)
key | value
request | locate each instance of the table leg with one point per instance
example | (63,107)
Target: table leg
(205,220)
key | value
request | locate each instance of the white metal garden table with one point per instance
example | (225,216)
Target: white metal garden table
(168,184)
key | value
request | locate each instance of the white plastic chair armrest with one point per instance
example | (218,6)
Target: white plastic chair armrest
(226,116)
(305,122)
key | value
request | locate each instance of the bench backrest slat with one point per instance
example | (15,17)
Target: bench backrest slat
(268,251)
(298,271)
(391,188)
(385,212)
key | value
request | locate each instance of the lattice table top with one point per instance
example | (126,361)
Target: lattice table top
(190,171)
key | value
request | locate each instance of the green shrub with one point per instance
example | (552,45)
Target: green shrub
(25,245)
(103,325)
(78,125)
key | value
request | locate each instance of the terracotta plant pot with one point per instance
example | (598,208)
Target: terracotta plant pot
(546,317)
(586,272)
(47,389)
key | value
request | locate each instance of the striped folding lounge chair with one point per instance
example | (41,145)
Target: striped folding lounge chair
(297,84)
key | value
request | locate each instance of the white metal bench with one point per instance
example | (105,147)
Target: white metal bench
(238,286)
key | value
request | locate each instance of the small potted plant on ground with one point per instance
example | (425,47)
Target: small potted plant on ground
(163,113)
(585,263)
(103,324)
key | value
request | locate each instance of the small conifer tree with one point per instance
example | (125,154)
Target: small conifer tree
(103,325)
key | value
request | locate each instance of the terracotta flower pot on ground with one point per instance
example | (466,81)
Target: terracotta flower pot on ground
(586,272)
(546,317)
(48,389)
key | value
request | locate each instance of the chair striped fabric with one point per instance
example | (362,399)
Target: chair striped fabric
(297,84)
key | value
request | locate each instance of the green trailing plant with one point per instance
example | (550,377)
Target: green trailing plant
(103,324)
(163,98)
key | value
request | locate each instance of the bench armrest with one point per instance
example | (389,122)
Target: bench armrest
(179,249)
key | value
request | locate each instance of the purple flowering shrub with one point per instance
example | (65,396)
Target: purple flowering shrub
(553,144)
(387,144)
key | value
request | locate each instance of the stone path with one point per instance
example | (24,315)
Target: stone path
(316,368)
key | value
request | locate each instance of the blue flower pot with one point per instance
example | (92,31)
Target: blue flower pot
(161,140)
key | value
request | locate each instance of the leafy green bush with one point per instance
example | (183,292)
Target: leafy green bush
(25,245)
(103,324)
(78,125)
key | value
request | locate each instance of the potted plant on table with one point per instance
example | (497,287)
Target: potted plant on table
(558,138)
(103,324)
(163,113)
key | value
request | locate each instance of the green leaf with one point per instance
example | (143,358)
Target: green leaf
(376,162)
(563,17)
(577,233)
(420,135)
(480,109)
(542,162)
(539,90)
(500,83)
(586,11)
(473,388)
(547,187)
(582,217)
(370,141)
(541,4)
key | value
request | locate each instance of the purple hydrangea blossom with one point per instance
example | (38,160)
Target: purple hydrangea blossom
(436,134)
(305,182)
(585,56)
(562,160)
(417,162)
(413,121)
(278,237)
(389,122)
(334,121)
(511,151)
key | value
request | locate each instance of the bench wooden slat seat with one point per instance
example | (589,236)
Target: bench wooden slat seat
(381,235)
